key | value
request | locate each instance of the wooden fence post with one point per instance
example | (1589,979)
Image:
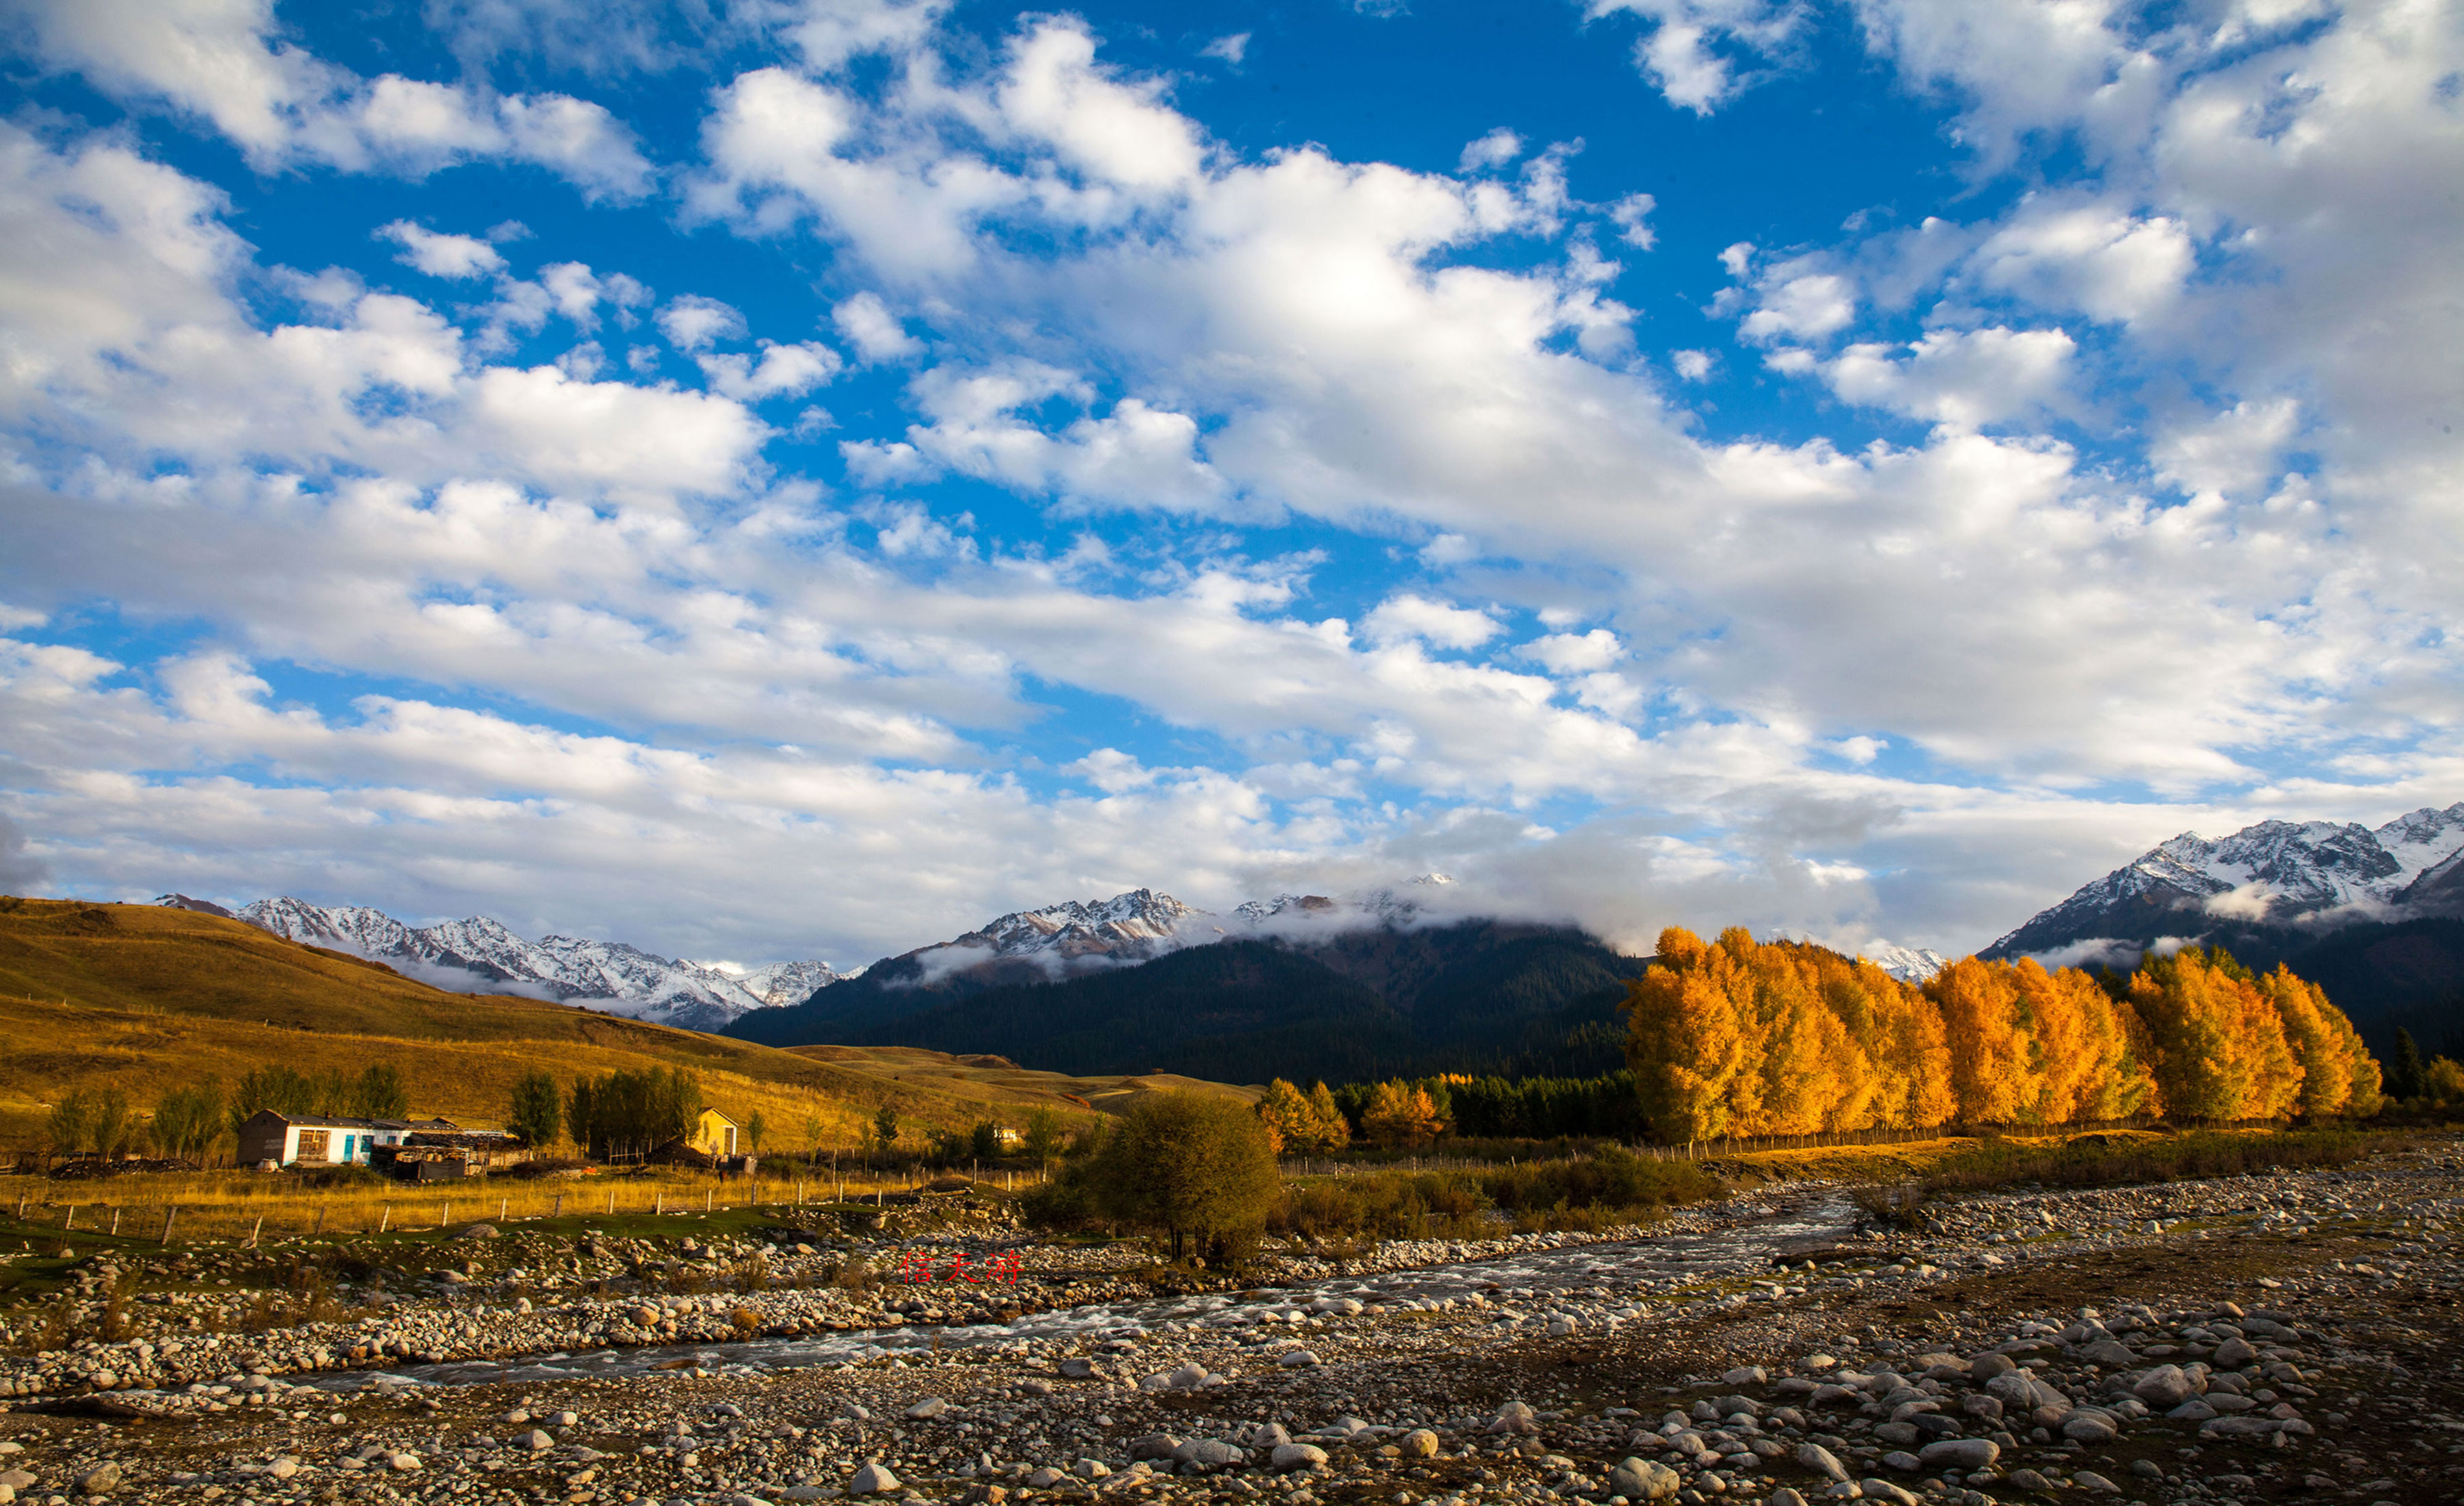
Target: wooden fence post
(321,1220)
(115,1220)
(170,1213)
(67,1221)
(387,1222)
(257,1231)
(559,1206)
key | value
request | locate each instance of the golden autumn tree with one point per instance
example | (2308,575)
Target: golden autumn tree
(2221,1053)
(1403,1114)
(2338,1075)
(1333,1130)
(1990,1044)
(1286,1111)
(1689,1038)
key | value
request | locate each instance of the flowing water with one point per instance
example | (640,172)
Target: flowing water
(1527,1280)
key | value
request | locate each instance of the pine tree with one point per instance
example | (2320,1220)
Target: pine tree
(2404,1077)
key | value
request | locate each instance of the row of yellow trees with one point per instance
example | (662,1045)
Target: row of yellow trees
(1746,1037)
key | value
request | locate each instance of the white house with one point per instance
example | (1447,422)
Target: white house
(318,1140)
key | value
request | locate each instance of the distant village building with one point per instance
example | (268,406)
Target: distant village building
(421,1150)
(715,1134)
(321,1140)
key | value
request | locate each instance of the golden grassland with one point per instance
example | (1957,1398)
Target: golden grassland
(144,999)
(245,1205)
(1914,1160)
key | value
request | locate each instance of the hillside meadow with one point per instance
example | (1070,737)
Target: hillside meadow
(144,999)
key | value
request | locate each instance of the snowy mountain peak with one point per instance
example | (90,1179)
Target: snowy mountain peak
(1906,963)
(482,955)
(1136,925)
(2272,874)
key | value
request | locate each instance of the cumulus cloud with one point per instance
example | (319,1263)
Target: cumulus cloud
(1129,315)
(441,255)
(1965,378)
(216,59)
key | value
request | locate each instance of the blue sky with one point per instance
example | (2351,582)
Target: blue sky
(800,478)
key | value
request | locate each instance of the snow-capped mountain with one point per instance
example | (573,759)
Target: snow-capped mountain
(480,955)
(1136,926)
(1906,963)
(2276,879)
(1371,907)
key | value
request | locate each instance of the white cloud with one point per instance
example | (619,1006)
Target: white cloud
(693,323)
(1495,150)
(1112,130)
(1965,378)
(875,332)
(1806,307)
(1576,654)
(441,255)
(1632,215)
(1232,49)
(1682,53)
(1404,618)
(782,371)
(2231,451)
(215,60)
(1691,365)
(2086,257)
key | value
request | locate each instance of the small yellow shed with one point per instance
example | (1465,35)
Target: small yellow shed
(715,1134)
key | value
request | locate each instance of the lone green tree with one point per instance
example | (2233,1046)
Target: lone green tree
(885,1129)
(537,1109)
(1046,1132)
(187,1119)
(755,1130)
(1199,1171)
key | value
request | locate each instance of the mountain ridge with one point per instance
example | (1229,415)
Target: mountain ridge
(482,955)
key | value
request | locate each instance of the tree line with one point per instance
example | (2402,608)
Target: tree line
(1739,1037)
(190,1119)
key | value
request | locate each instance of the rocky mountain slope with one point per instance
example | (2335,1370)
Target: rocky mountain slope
(482,956)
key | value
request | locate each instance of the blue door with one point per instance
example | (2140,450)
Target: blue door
(350,1147)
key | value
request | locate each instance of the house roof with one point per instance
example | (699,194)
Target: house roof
(330,1121)
(714,1114)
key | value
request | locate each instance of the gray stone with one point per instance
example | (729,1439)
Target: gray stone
(2198,1409)
(2232,1354)
(1960,1453)
(1821,1461)
(1783,1496)
(929,1406)
(283,1467)
(1090,1469)
(1514,1417)
(403,1463)
(1297,1359)
(1879,1490)
(1642,1480)
(872,1479)
(1045,1478)
(2089,1428)
(1154,1446)
(1297,1456)
(2109,1353)
(1078,1367)
(1419,1444)
(2030,1480)
(1212,1453)
(2164,1386)
(2090,1480)
(478,1232)
(1902,1460)
(101,1480)
(1746,1375)
(1989,1364)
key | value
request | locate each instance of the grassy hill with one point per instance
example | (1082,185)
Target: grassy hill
(143,998)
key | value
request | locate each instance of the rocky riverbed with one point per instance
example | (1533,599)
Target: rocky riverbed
(2287,1336)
